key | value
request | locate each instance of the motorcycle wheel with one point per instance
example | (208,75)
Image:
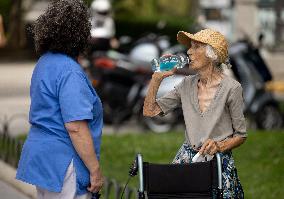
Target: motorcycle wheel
(269,118)
(160,124)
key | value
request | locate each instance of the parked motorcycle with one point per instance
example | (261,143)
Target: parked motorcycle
(250,69)
(161,124)
(118,83)
(122,87)
(120,78)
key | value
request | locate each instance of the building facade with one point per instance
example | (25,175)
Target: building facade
(255,19)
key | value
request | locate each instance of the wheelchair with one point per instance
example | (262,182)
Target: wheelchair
(200,180)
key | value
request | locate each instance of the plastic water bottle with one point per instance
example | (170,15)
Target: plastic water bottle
(166,63)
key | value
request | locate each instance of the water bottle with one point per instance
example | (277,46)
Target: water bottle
(166,63)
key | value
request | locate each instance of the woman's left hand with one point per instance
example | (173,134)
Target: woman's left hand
(209,147)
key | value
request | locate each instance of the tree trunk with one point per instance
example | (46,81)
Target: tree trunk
(193,8)
(16,33)
(2,33)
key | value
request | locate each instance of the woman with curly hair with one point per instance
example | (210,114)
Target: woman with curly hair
(61,153)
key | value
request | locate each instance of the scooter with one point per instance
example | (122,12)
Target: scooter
(162,124)
(119,79)
(118,82)
(250,69)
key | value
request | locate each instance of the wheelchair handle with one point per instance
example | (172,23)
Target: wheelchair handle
(140,169)
(219,167)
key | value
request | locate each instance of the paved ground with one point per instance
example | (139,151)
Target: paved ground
(7,192)
(14,94)
(14,99)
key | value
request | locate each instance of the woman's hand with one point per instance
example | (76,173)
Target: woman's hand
(162,75)
(82,140)
(96,181)
(209,147)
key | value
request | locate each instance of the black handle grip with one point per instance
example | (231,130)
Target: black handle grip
(96,195)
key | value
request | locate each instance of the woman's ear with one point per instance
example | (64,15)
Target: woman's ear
(210,53)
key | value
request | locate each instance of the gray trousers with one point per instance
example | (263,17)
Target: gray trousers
(68,189)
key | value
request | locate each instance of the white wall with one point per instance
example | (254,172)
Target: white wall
(246,13)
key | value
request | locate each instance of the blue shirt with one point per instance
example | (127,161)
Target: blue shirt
(60,93)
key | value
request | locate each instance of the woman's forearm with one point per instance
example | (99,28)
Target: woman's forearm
(230,143)
(83,143)
(151,108)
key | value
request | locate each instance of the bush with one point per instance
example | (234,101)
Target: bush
(5,6)
(135,26)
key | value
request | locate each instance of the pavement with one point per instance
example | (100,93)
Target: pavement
(14,94)
(8,192)
(15,100)
(11,188)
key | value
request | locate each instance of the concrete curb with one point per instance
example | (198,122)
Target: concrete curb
(8,173)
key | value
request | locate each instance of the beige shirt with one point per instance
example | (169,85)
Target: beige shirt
(223,118)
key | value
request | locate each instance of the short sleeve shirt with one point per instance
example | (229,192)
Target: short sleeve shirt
(60,93)
(223,118)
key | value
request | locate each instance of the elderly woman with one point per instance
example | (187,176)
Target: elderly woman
(60,155)
(212,105)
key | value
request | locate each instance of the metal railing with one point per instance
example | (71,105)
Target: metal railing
(112,189)
(6,122)
(10,147)
(10,151)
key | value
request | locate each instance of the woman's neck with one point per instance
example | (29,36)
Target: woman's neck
(210,75)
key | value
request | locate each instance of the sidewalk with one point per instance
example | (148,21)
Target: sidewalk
(7,192)
(10,188)
(15,100)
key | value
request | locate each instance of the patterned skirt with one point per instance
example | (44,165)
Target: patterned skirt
(232,187)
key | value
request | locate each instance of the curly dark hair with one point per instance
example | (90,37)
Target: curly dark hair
(64,27)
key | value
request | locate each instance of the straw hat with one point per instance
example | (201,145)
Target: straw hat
(207,36)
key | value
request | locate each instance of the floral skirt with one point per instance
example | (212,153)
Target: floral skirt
(232,187)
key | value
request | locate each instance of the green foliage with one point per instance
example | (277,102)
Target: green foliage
(260,162)
(5,6)
(136,27)
(88,2)
(135,17)
(152,8)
